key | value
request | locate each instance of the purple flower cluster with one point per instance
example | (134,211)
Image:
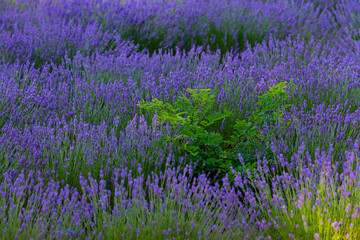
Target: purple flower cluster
(44,31)
(168,204)
(318,199)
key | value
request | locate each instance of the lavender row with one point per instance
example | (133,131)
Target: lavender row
(44,31)
(306,198)
(168,205)
(101,88)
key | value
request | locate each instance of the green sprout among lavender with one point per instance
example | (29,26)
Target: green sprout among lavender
(192,117)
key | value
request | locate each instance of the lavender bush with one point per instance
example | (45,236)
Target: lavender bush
(81,160)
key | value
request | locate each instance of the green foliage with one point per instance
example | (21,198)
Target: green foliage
(191,118)
(248,133)
(269,110)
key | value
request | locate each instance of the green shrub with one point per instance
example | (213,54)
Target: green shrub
(191,119)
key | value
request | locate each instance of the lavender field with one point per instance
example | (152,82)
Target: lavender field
(179,119)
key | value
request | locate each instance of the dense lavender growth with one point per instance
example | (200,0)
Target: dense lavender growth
(81,160)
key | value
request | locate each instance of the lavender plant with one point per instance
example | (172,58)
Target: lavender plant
(314,199)
(174,210)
